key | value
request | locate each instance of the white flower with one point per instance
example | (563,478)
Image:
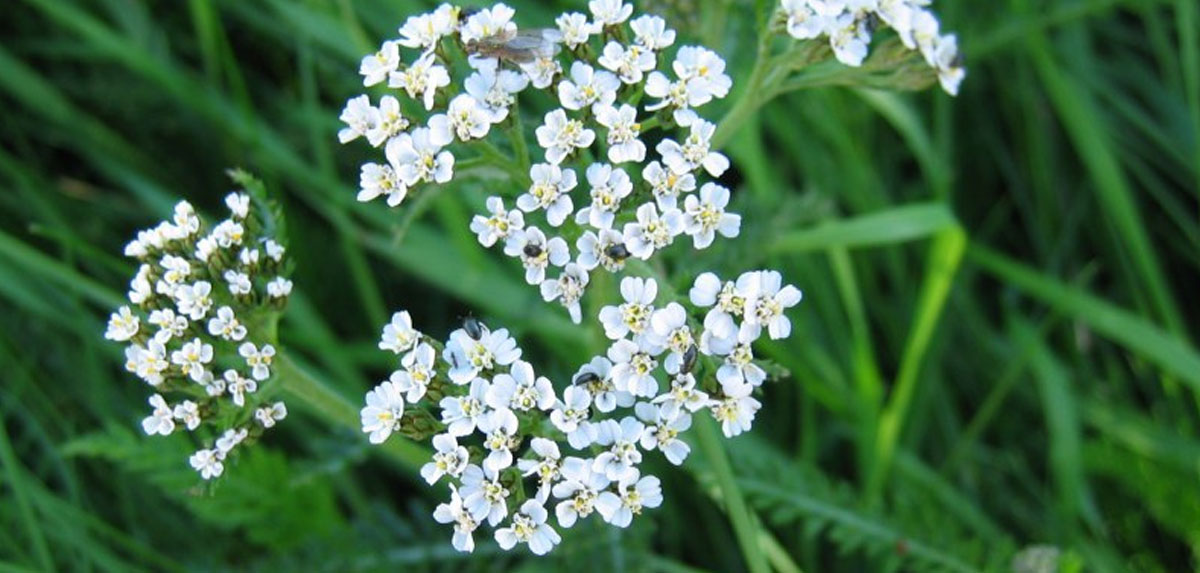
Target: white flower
(418,156)
(462,413)
(706,216)
(529,526)
(849,36)
(695,151)
(162,420)
(208,463)
(187,412)
(139,287)
(766,307)
(622,455)
(239,283)
(376,67)
(448,459)
(651,32)
(194,300)
(238,204)
(541,72)
(633,367)
(192,358)
(468,357)
(669,329)
(399,336)
(576,29)
(464,118)
(579,489)
(651,232)
(695,62)
(170,325)
(498,428)
(238,386)
(360,118)
(666,185)
(568,289)
(375,180)
(610,12)
(148,362)
(623,131)
(185,220)
(925,30)
(803,21)
(279,287)
(391,121)
(226,325)
(609,186)
(500,225)
(228,233)
(483,495)
(632,496)
(588,88)
(488,22)
(683,395)
(739,368)
(536,252)
(948,63)
(606,249)
(268,416)
(663,430)
(424,31)
(274,250)
(560,136)
(570,416)
(520,390)
(736,410)
(728,301)
(421,80)
(248,257)
(123,325)
(629,63)
(596,377)
(550,191)
(417,374)
(381,416)
(230,439)
(464,524)
(632,316)
(493,91)
(547,467)
(258,359)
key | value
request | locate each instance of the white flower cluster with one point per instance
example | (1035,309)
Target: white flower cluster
(201,299)
(849,25)
(596,133)
(577,448)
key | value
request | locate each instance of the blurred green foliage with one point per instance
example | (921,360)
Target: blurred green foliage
(994,353)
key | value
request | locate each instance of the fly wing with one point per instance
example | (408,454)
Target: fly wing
(539,43)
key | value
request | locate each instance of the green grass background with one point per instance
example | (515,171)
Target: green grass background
(995,349)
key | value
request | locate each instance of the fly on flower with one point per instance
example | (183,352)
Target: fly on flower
(518,46)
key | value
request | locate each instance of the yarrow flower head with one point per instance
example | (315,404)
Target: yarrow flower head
(603,173)
(513,444)
(199,323)
(849,25)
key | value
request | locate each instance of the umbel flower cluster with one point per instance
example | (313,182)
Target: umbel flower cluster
(202,308)
(621,154)
(849,25)
(515,446)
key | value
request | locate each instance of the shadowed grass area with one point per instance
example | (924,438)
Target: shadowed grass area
(995,349)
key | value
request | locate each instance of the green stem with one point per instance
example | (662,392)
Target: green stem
(518,139)
(318,397)
(744,526)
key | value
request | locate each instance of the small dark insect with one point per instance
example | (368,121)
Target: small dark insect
(586,378)
(472,327)
(617,252)
(689,360)
(532,250)
(518,46)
